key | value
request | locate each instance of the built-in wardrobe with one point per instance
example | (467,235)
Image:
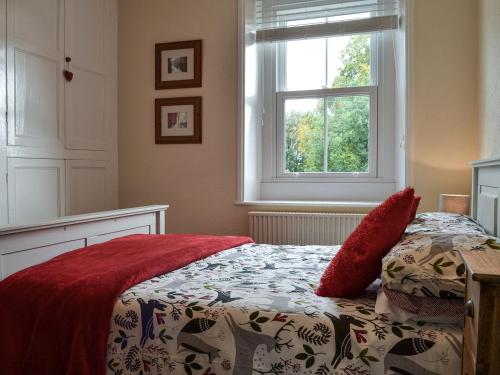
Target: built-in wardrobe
(58,108)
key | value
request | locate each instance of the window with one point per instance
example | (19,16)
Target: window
(322,78)
(326,103)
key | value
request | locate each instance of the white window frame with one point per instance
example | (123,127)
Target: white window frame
(273,79)
(258,181)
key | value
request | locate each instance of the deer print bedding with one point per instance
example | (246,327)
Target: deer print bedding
(252,310)
(427,262)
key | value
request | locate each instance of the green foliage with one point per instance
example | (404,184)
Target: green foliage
(347,121)
(304,140)
(348,134)
(356,63)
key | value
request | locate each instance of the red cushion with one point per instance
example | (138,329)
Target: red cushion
(359,261)
(414,207)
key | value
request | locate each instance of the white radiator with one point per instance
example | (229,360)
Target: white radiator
(298,228)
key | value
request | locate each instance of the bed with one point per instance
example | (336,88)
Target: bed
(250,309)
(253,310)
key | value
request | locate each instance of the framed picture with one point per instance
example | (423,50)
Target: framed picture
(178,65)
(178,120)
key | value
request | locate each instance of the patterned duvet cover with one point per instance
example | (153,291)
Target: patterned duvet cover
(252,310)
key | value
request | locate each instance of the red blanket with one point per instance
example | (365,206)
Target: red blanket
(55,317)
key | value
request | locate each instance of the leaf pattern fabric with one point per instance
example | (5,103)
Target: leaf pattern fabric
(253,310)
(443,222)
(427,263)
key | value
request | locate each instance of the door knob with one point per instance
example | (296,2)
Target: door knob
(469,308)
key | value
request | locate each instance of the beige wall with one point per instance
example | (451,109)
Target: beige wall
(444,125)
(489,78)
(199,181)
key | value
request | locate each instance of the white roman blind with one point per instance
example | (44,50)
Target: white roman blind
(278,20)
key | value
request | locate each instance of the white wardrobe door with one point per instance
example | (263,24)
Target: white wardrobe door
(36,189)
(4,219)
(85,33)
(88,186)
(86,125)
(34,72)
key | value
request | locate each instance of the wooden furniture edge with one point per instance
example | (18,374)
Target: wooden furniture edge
(484,266)
(481,335)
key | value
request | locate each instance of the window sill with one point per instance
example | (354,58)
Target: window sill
(327,180)
(313,204)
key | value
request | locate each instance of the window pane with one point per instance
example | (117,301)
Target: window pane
(348,133)
(349,61)
(306,64)
(342,61)
(304,135)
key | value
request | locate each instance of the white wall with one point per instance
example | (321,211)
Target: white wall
(489,77)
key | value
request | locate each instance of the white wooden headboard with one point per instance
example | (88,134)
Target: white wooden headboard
(486,194)
(22,246)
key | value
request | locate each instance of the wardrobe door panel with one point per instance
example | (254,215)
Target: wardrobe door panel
(53,118)
(85,33)
(86,126)
(88,186)
(36,99)
(36,189)
(4,219)
(34,73)
(37,22)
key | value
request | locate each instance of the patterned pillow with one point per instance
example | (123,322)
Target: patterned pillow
(428,264)
(425,306)
(421,309)
(443,222)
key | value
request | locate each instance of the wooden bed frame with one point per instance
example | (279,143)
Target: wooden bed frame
(22,246)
